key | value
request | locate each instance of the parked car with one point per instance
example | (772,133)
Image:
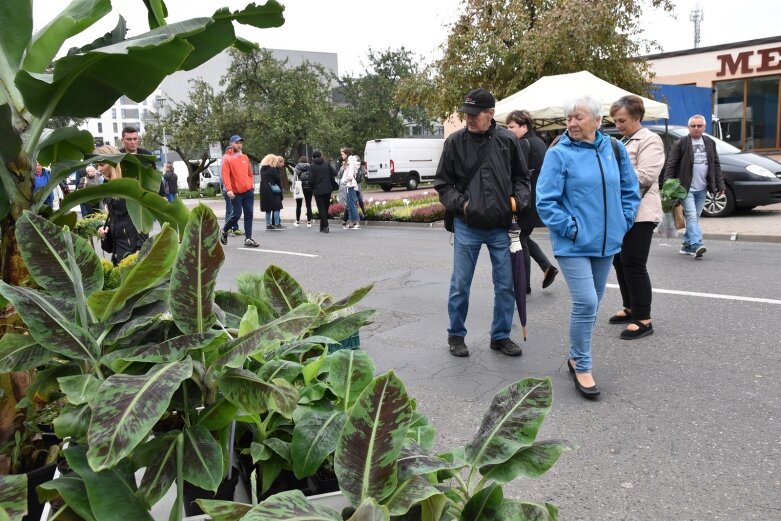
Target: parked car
(752,180)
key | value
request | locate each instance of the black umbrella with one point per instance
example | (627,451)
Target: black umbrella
(519,273)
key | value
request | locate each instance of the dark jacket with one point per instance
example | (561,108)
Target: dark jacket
(322,175)
(502,174)
(172,180)
(269,201)
(534,150)
(305,176)
(124,238)
(680,163)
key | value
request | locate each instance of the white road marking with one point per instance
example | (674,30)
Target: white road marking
(281,252)
(710,295)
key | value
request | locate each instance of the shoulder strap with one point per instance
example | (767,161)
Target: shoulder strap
(525,149)
(614,142)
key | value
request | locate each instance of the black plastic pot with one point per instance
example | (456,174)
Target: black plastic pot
(322,482)
(37,477)
(225,492)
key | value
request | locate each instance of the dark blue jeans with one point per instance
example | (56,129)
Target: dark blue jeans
(229,209)
(242,203)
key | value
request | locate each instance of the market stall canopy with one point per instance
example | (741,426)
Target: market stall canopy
(545,99)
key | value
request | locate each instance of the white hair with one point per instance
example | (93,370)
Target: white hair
(696,116)
(592,105)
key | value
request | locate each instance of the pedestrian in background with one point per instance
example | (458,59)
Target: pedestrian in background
(40,180)
(349,181)
(520,123)
(271,191)
(323,181)
(480,171)
(240,188)
(302,174)
(171,181)
(89,179)
(646,152)
(588,199)
(228,204)
(344,154)
(693,160)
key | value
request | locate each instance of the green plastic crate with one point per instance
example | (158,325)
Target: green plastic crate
(351,342)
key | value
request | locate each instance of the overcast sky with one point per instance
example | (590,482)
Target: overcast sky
(350,27)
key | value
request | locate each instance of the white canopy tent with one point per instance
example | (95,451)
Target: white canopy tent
(545,99)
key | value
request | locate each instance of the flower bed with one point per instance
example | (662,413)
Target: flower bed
(423,208)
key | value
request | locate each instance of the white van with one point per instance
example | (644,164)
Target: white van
(209,177)
(402,162)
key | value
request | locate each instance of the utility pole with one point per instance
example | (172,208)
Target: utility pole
(696,16)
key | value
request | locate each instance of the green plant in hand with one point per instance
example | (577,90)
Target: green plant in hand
(671,193)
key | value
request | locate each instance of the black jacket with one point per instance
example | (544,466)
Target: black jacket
(501,174)
(172,180)
(534,150)
(322,174)
(680,163)
(269,201)
(305,176)
(124,238)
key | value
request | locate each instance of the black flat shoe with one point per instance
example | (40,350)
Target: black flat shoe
(590,393)
(570,367)
(643,330)
(550,276)
(621,319)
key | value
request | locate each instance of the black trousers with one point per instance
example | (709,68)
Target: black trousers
(532,250)
(631,272)
(308,199)
(323,202)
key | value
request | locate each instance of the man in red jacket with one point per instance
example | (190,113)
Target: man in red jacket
(239,186)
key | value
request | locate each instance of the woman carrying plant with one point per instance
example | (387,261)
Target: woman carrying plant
(349,182)
(271,191)
(588,199)
(344,153)
(118,235)
(646,152)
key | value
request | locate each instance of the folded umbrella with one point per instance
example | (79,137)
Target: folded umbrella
(519,273)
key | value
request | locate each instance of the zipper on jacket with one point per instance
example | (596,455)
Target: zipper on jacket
(604,203)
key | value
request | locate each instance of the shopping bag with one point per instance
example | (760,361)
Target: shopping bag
(667,228)
(298,190)
(680,222)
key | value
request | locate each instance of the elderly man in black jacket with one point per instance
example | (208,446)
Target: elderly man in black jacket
(482,180)
(694,162)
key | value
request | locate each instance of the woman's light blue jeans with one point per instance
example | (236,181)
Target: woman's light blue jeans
(466,248)
(352,204)
(693,204)
(586,278)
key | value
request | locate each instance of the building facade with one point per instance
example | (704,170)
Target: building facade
(745,78)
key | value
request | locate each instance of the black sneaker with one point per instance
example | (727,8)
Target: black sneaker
(250,243)
(507,346)
(699,251)
(457,346)
(270,227)
(279,227)
(224,238)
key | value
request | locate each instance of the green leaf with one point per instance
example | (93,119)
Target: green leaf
(142,275)
(42,245)
(158,455)
(16,29)
(247,391)
(511,422)
(350,300)
(350,373)
(315,436)
(366,454)
(409,493)
(127,407)
(73,422)
(235,305)
(421,431)
(21,352)
(270,335)
(172,350)
(107,490)
(343,327)
(157,12)
(79,389)
(529,462)
(484,505)
(65,143)
(194,273)
(223,510)
(414,461)
(288,371)
(291,505)
(71,21)
(217,415)
(72,490)
(283,292)
(370,510)
(13,495)
(11,144)
(249,322)
(513,510)
(203,458)
(55,331)
(260,16)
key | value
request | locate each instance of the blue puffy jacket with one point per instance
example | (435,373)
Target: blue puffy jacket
(586,202)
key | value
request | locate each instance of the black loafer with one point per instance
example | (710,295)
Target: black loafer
(621,319)
(550,276)
(590,393)
(570,367)
(643,330)
(457,346)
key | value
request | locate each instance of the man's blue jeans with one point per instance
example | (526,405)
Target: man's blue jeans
(586,278)
(242,203)
(229,209)
(466,248)
(692,208)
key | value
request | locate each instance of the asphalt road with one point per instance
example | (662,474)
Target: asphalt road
(688,426)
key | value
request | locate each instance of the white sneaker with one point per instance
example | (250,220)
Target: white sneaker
(309,224)
(356,227)
(295,223)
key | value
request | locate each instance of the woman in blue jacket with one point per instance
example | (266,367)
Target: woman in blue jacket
(588,198)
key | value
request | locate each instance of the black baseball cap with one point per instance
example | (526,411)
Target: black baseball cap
(478,100)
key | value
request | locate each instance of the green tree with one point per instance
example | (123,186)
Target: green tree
(188,129)
(505,45)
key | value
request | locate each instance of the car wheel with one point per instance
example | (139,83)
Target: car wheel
(386,188)
(412,182)
(719,206)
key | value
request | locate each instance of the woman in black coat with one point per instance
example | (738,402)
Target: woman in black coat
(323,182)
(271,201)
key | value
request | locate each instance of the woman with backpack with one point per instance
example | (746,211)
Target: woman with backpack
(302,174)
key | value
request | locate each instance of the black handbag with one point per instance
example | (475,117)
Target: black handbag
(334,185)
(107,242)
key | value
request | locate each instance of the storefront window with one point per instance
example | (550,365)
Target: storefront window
(762,112)
(729,110)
